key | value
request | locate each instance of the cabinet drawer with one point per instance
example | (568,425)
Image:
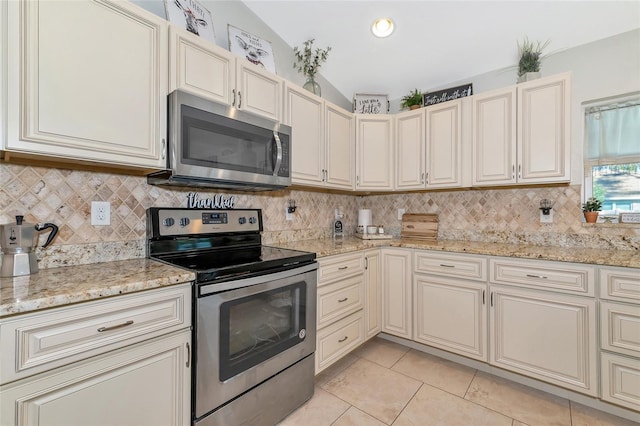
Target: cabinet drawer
(451,265)
(340,299)
(337,267)
(338,339)
(38,342)
(620,380)
(539,274)
(620,284)
(620,328)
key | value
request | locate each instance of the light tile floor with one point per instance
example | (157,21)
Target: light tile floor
(384,383)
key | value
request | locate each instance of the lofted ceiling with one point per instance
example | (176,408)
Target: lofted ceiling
(436,42)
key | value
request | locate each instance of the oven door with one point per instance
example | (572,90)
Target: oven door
(249,333)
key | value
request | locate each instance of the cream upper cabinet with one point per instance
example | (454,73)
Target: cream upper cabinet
(410,149)
(521,134)
(544,123)
(494,137)
(87,80)
(444,145)
(212,72)
(374,150)
(396,292)
(323,145)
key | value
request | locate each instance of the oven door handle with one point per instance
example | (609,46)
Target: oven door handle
(208,289)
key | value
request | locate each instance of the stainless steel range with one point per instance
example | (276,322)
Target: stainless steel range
(254,314)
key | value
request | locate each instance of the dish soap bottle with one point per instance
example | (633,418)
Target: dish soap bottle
(338,228)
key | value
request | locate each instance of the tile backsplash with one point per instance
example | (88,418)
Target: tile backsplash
(502,215)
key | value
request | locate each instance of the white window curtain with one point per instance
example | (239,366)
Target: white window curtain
(612,134)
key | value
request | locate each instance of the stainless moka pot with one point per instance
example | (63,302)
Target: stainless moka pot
(18,242)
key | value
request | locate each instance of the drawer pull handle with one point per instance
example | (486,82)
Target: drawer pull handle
(343,339)
(343,300)
(342,268)
(447,266)
(537,276)
(113,327)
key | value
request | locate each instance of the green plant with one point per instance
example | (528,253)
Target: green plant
(592,205)
(308,60)
(530,55)
(413,98)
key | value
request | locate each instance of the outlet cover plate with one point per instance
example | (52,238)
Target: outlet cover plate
(100,213)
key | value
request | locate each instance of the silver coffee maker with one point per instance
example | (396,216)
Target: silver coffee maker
(18,243)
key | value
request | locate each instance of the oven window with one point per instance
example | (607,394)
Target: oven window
(258,327)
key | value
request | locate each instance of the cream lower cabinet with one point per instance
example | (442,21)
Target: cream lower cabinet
(397,302)
(146,384)
(341,301)
(373,293)
(203,68)
(449,302)
(87,81)
(620,336)
(544,335)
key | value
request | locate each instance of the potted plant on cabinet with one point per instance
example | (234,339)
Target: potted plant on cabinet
(308,62)
(590,208)
(530,59)
(412,101)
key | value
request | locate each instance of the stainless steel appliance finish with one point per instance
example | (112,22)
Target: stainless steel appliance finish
(254,314)
(18,242)
(218,146)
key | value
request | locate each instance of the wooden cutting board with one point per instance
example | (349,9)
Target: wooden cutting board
(420,226)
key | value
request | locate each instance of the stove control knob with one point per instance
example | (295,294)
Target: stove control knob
(242,220)
(184,221)
(168,221)
(252,220)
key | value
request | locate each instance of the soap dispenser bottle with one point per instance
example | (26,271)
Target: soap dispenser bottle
(338,228)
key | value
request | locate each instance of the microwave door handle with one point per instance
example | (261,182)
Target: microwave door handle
(276,168)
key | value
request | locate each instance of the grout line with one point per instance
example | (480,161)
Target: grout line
(475,373)
(408,402)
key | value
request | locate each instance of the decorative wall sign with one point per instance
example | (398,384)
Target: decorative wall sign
(218,201)
(629,217)
(370,104)
(445,95)
(192,16)
(254,49)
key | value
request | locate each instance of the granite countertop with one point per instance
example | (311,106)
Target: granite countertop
(62,286)
(329,247)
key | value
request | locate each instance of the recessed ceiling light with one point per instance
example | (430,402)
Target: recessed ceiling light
(382,27)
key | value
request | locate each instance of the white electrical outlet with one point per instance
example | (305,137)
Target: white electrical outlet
(100,213)
(400,213)
(287,215)
(546,218)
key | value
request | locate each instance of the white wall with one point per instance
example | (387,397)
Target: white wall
(237,14)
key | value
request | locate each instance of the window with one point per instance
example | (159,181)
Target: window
(612,154)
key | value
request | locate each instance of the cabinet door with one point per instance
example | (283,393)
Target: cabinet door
(200,67)
(544,123)
(451,315)
(304,113)
(88,80)
(444,145)
(341,147)
(410,150)
(494,137)
(396,292)
(375,153)
(544,335)
(373,294)
(145,384)
(258,91)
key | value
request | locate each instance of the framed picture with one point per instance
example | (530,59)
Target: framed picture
(192,16)
(253,48)
(370,104)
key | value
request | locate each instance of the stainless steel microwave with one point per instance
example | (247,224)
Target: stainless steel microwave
(218,146)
